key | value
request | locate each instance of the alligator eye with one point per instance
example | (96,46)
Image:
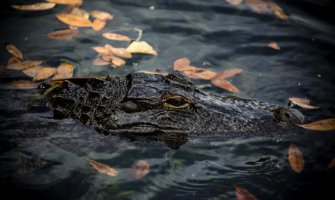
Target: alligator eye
(175,101)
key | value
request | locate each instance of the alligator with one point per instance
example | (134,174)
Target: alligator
(163,106)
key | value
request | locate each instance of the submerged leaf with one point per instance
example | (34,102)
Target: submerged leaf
(274,45)
(40,73)
(243,194)
(103,168)
(140,169)
(74,20)
(321,125)
(98,24)
(116,36)
(66,34)
(35,6)
(64,71)
(24,84)
(101,15)
(303,103)
(14,51)
(141,47)
(234,2)
(66,1)
(296,158)
(24,64)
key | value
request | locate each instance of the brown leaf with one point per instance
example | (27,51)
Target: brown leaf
(24,84)
(243,194)
(303,103)
(296,158)
(234,2)
(14,60)
(258,6)
(35,6)
(14,51)
(141,47)
(24,64)
(74,20)
(277,10)
(66,34)
(224,84)
(116,36)
(66,1)
(274,45)
(64,70)
(101,15)
(40,73)
(98,24)
(331,165)
(181,63)
(115,61)
(103,168)
(100,62)
(199,73)
(140,169)
(321,125)
(120,52)
(81,12)
(228,73)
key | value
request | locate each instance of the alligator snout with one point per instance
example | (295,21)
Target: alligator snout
(288,115)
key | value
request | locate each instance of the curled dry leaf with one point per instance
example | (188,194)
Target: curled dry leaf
(66,1)
(243,194)
(331,165)
(14,51)
(321,125)
(98,24)
(140,169)
(296,158)
(303,103)
(224,84)
(74,20)
(14,60)
(101,15)
(24,64)
(66,34)
(274,45)
(35,6)
(228,73)
(23,84)
(141,47)
(234,2)
(40,73)
(100,62)
(64,70)
(103,168)
(116,36)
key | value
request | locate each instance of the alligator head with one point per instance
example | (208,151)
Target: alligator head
(164,107)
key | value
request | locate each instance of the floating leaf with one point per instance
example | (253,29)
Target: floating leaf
(303,103)
(23,84)
(199,73)
(181,63)
(321,125)
(259,6)
(64,71)
(66,34)
(141,47)
(24,64)
(296,158)
(228,73)
(14,60)
(103,168)
(277,10)
(140,169)
(35,7)
(14,51)
(101,15)
(100,62)
(234,2)
(98,24)
(120,52)
(116,36)
(115,61)
(243,194)
(274,45)
(40,73)
(66,1)
(224,84)
(81,12)
(331,165)
(74,20)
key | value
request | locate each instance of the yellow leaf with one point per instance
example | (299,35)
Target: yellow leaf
(321,125)
(101,15)
(35,6)
(66,34)
(98,24)
(24,64)
(274,45)
(14,51)
(303,103)
(243,194)
(115,36)
(141,47)
(102,168)
(234,2)
(64,71)
(140,169)
(66,1)
(74,20)
(296,158)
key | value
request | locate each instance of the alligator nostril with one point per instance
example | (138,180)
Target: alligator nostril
(288,115)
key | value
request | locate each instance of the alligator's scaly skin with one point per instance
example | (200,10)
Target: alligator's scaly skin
(168,105)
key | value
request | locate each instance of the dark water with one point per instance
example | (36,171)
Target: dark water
(45,158)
